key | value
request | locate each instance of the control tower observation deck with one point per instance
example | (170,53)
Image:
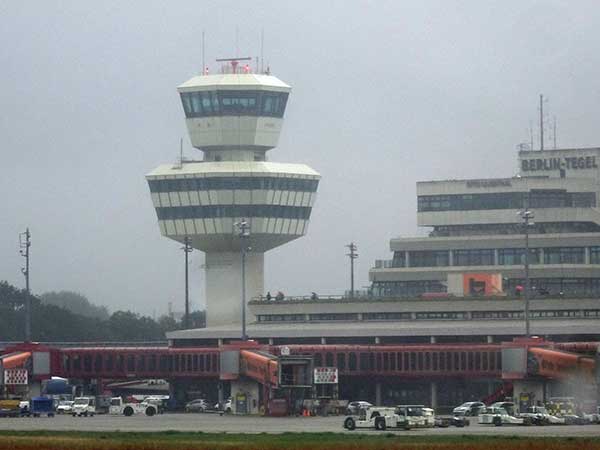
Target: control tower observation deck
(234,118)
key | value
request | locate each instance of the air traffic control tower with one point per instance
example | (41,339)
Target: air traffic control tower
(234,117)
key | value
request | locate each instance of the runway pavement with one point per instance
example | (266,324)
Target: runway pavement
(213,423)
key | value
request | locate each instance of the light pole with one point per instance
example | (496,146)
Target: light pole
(352,255)
(243,233)
(187,248)
(25,243)
(527,216)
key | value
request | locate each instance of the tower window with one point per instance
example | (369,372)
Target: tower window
(234,103)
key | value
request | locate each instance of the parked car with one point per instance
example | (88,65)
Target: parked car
(354,408)
(469,409)
(226,407)
(64,407)
(198,405)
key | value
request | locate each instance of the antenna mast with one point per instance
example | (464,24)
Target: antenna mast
(262,50)
(554,133)
(203,55)
(541,122)
(25,243)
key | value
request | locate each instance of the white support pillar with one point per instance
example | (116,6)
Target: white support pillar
(587,255)
(432,339)
(323,341)
(434,395)
(490,339)
(377,340)
(223,271)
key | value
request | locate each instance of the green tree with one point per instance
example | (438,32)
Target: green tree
(75,302)
(127,326)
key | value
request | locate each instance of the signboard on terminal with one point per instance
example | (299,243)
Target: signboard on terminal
(571,162)
(325,375)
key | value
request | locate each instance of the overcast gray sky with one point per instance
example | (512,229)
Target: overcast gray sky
(384,94)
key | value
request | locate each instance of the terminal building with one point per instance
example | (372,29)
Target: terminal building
(432,325)
(463,282)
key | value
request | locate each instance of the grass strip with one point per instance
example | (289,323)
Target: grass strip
(66,440)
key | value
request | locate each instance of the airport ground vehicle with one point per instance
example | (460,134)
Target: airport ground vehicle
(24,407)
(90,405)
(509,407)
(539,415)
(198,405)
(469,409)
(84,406)
(498,416)
(415,416)
(40,406)
(65,407)
(354,408)
(10,408)
(401,416)
(118,407)
(160,401)
(378,418)
(566,408)
(455,421)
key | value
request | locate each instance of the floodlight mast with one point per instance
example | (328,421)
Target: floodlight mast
(25,243)
(243,234)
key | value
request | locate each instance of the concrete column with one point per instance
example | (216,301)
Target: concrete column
(434,402)
(270,341)
(223,271)
(432,339)
(220,342)
(490,339)
(323,341)
(378,393)
(377,340)
(587,255)
(495,256)
(450,258)
(406,259)
(220,394)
